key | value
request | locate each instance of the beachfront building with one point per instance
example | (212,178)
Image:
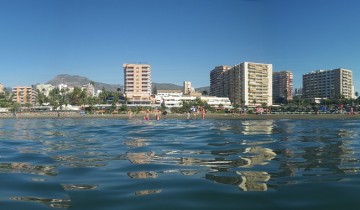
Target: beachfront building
(282,86)
(176,93)
(217,102)
(137,83)
(216,81)
(89,89)
(249,84)
(44,88)
(24,95)
(336,83)
(171,101)
(188,89)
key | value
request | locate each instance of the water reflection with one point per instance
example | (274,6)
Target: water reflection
(138,142)
(140,157)
(51,202)
(256,127)
(20,167)
(79,186)
(119,156)
(143,175)
(257,156)
(246,181)
(147,192)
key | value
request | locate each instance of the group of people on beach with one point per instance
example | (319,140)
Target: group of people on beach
(193,110)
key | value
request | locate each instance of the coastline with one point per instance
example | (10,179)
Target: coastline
(219,116)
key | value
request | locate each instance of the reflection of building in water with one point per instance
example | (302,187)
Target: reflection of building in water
(254,180)
(136,143)
(323,155)
(261,156)
(79,186)
(256,156)
(27,168)
(257,127)
(141,157)
(52,202)
(247,181)
(143,174)
(147,192)
(190,161)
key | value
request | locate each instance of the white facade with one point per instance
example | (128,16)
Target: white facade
(249,84)
(44,88)
(177,101)
(176,93)
(90,89)
(217,101)
(188,89)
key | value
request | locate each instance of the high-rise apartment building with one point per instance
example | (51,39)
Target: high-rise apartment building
(24,95)
(335,83)
(282,85)
(137,83)
(249,84)
(216,80)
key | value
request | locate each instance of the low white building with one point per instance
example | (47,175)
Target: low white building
(216,102)
(177,101)
(176,93)
(90,89)
(44,88)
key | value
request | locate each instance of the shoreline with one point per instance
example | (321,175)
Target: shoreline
(216,116)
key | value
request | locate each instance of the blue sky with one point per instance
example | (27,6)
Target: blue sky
(180,39)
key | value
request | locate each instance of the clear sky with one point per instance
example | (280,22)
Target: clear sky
(180,39)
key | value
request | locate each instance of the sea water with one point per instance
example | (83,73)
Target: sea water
(179,164)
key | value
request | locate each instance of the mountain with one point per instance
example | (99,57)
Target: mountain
(169,86)
(74,80)
(165,86)
(202,89)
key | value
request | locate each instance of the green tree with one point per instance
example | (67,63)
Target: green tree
(15,107)
(41,98)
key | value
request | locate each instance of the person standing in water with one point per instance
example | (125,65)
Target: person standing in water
(146,117)
(157,116)
(203,112)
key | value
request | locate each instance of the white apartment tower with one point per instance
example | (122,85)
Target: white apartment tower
(249,84)
(137,83)
(336,83)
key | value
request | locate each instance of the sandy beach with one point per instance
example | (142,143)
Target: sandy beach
(228,116)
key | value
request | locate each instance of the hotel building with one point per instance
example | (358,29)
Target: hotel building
(216,81)
(24,95)
(332,84)
(282,85)
(249,84)
(137,83)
